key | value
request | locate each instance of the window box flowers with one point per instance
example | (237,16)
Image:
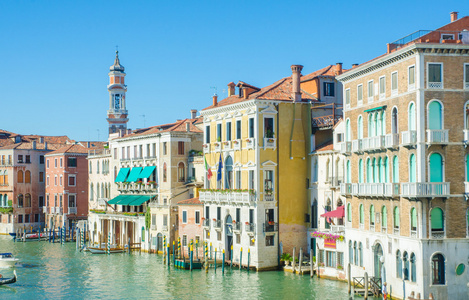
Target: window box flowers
(328,236)
(247,223)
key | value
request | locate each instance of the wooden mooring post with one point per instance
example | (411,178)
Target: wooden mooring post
(311,262)
(300,261)
(293,260)
(366,286)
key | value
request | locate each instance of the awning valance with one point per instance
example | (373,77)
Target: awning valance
(375,108)
(140,200)
(338,213)
(122,175)
(134,173)
(146,172)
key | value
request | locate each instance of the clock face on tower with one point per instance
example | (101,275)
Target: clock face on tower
(117,101)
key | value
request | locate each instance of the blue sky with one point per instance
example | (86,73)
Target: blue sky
(55,55)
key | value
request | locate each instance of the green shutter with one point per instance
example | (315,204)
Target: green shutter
(372,214)
(436,168)
(437,218)
(360,171)
(384,212)
(362,213)
(395,169)
(434,115)
(349,212)
(386,169)
(368,171)
(411,117)
(413,169)
(349,172)
(396,217)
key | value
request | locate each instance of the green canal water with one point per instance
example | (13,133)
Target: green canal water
(53,271)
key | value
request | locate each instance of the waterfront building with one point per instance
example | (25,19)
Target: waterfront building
(406,174)
(22,179)
(66,185)
(191,216)
(256,141)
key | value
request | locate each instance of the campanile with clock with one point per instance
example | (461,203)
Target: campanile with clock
(117,113)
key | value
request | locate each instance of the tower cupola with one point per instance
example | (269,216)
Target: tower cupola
(117,113)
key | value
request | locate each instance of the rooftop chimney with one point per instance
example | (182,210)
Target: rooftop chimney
(338,67)
(245,92)
(215,97)
(231,89)
(354,66)
(34,145)
(296,74)
(454,16)
(88,144)
(193,113)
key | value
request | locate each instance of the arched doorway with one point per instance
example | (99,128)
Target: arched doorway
(229,236)
(378,254)
(159,242)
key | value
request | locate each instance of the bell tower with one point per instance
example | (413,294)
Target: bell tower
(117,113)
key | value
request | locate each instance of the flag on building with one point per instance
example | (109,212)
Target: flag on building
(220,166)
(207,168)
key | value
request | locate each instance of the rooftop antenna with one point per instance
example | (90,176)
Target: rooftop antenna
(143,120)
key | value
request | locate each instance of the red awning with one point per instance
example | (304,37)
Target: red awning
(338,213)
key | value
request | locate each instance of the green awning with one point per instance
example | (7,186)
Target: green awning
(140,200)
(133,176)
(117,199)
(147,171)
(376,108)
(123,172)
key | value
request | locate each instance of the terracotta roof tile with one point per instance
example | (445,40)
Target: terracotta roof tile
(178,126)
(328,146)
(192,201)
(70,149)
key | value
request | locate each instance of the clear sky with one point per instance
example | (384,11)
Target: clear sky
(55,55)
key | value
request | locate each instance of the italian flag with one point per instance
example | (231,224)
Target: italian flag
(207,168)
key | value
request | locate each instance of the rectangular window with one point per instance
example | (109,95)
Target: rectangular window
(41,159)
(197,240)
(72,201)
(238,214)
(218,213)
(47,180)
(394,83)
(360,94)
(330,259)
(238,179)
(251,216)
(328,89)
(154,149)
(251,179)
(218,235)
(55,162)
(184,216)
(466,76)
(140,151)
(228,131)
(115,153)
(269,127)
(238,129)
(128,152)
(219,132)
(48,163)
(20,158)
(28,159)
(238,238)
(251,127)
(153,220)
(184,240)
(36,218)
(55,180)
(382,87)
(269,240)
(207,212)
(61,162)
(71,180)
(20,218)
(197,217)
(165,148)
(123,153)
(180,148)
(411,77)
(72,162)
(347,98)
(41,201)
(435,76)
(207,134)
(269,182)
(135,151)
(41,176)
(165,220)
(61,180)
(148,150)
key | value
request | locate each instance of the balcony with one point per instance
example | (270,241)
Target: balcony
(435,85)
(375,143)
(269,196)
(228,197)
(137,187)
(409,137)
(437,234)
(217,146)
(357,146)
(335,182)
(392,140)
(237,144)
(391,189)
(227,145)
(72,210)
(236,226)
(45,209)
(52,210)
(102,201)
(337,228)
(346,148)
(270,227)
(217,224)
(206,148)
(249,227)
(206,223)
(437,136)
(270,143)
(346,188)
(250,142)
(425,189)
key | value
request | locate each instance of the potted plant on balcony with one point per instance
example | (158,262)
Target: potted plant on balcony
(234,221)
(248,140)
(214,220)
(271,223)
(226,143)
(235,142)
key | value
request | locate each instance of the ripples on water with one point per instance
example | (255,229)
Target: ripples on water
(53,271)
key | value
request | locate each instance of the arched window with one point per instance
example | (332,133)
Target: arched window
(360,253)
(438,269)
(412,169)
(384,218)
(229,174)
(27,177)
(372,215)
(436,168)
(405,259)
(350,252)
(20,200)
(91,167)
(375,170)
(394,121)
(383,122)
(181,173)
(398,264)
(396,217)
(413,219)
(386,169)
(103,167)
(413,268)
(369,171)
(1,201)
(355,251)
(349,213)
(380,170)
(20,176)
(5,200)
(360,171)
(165,173)
(360,127)
(379,123)
(102,190)
(348,131)
(411,117)
(314,214)
(27,200)
(371,125)
(395,169)
(97,190)
(362,214)
(349,172)
(437,220)
(91,192)
(435,116)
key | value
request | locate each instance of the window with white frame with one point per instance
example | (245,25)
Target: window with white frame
(72,180)
(269,182)
(411,78)
(382,87)
(219,132)
(347,98)
(184,216)
(269,127)
(251,179)
(466,76)
(370,91)
(435,76)
(197,217)
(394,83)
(72,200)
(329,89)
(238,179)
(228,131)
(360,94)
(238,129)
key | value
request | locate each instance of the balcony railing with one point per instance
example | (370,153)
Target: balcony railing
(438,234)
(206,148)
(357,146)
(249,227)
(337,228)
(335,181)
(237,226)
(466,135)
(409,137)
(206,222)
(375,143)
(425,189)
(250,142)
(437,136)
(392,140)
(376,189)
(413,233)
(236,144)
(217,224)
(217,147)
(269,143)
(227,145)
(134,186)
(391,189)
(345,147)
(345,188)
(270,227)
(72,210)
(227,197)
(269,196)
(435,85)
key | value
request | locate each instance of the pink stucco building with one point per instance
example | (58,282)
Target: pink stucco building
(191,213)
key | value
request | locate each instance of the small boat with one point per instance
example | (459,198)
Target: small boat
(8,280)
(7,260)
(96,250)
(13,234)
(36,236)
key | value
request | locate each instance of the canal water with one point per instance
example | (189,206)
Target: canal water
(54,271)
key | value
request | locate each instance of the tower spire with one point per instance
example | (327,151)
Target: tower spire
(117,113)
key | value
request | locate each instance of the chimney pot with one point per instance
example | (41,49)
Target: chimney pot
(245,92)
(231,89)
(296,75)
(454,16)
(193,113)
(214,98)
(339,68)
(354,65)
